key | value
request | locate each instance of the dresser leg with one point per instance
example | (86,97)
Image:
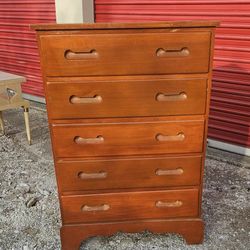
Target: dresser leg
(194,235)
(191,229)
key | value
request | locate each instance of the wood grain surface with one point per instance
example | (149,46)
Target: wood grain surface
(138,25)
(125,54)
(128,173)
(130,206)
(123,98)
(128,111)
(127,138)
(191,229)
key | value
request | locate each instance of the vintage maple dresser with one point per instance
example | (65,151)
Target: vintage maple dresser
(128,110)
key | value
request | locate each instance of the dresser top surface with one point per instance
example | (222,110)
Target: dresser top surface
(146,25)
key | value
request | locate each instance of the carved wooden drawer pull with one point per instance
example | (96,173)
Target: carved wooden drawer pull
(179,137)
(86,176)
(72,55)
(175,97)
(177,171)
(103,207)
(163,204)
(79,140)
(161,52)
(85,100)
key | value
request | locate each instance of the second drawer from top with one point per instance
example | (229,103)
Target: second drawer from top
(125,98)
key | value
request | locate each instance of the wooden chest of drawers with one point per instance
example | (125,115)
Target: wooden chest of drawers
(128,108)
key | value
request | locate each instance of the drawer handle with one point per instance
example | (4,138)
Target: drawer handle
(79,140)
(103,207)
(177,171)
(71,55)
(172,52)
(163,204)
(86,176)
(179,137)
(85,100)
(175,97)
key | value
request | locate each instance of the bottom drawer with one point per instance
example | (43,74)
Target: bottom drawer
(130,206)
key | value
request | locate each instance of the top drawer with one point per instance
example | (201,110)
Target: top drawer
(125,54)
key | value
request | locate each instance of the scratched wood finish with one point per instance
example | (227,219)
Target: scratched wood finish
(128,112)
(130,206)
(110,98)
(128,139)
(116,173)
(106,54)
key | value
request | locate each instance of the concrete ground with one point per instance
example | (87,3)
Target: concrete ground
(29,211)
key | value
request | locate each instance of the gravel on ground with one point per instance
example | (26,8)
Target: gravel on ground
(29,209)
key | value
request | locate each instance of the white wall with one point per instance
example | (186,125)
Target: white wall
(74,11)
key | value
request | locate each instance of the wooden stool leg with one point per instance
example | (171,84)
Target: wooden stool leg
(27,124)
(2,123)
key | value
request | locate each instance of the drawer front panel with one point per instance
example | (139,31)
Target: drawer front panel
(129,206)
(126,98)
(127,138)
(125,54)
(128,173)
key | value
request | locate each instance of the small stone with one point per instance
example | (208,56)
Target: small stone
(112,243)
(126,244)
(23,188)
(44,192)
(31,202)
(26,248)
(94,243)
(31,231)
